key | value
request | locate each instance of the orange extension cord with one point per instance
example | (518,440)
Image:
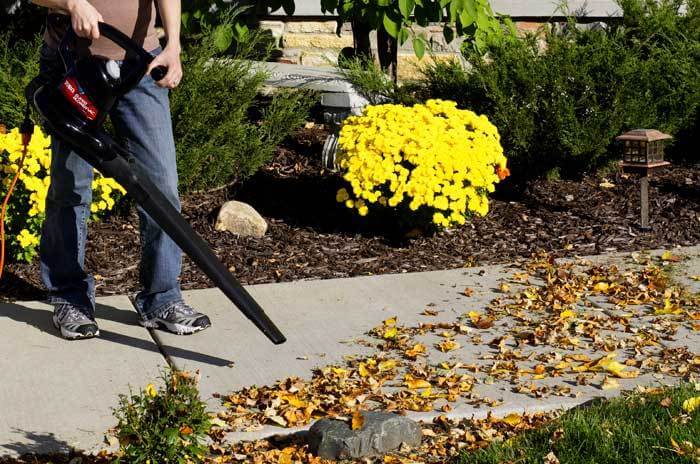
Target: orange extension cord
(26,137)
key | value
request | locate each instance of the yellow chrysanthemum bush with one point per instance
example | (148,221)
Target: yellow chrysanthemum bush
(432,161)
(25,211)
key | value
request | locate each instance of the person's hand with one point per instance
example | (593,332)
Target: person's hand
(84,18)
(170,58)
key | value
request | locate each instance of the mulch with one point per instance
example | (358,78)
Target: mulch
(310,236)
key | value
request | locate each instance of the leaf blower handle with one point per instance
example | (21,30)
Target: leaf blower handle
(159,73)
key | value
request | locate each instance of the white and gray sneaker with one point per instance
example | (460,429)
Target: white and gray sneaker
(178,318)
(74,322)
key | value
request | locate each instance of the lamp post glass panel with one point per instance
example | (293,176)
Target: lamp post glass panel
(643,147)
(642,153)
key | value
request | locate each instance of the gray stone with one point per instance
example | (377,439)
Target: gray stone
(381,432)
(242,219)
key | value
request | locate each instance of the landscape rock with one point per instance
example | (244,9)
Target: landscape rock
(381,433)
(241,219)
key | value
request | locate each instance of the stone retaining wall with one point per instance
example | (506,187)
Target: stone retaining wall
(316,43)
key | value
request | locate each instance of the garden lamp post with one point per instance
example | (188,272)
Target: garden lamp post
(642,154)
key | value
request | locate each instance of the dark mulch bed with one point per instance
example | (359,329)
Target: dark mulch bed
(310,236)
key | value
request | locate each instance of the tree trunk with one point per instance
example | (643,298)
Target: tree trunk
(360,37)
(387,49)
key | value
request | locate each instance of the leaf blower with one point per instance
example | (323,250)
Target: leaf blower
(73,108)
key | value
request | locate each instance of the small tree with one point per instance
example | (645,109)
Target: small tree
(392,19)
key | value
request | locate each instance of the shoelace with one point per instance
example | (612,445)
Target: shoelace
(179,308)
(70,313)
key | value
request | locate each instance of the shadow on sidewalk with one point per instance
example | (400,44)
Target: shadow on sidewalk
(33,443)
(41,320)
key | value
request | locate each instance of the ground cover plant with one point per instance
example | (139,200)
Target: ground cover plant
(222,132)
(660,426)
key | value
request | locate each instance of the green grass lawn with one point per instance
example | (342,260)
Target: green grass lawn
(648,429)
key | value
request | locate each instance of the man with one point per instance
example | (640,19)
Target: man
(141,119)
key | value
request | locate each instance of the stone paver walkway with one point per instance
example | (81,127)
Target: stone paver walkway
(56,394)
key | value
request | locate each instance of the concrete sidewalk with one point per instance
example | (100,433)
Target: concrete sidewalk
(56,394)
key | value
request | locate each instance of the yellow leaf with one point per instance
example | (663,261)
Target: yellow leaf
(474,316)
(448,345)
(339,371)
(286,456)
(610,383)
(567,314)
(358,420)
(691,404)
(669,308)
(362,370)
(695,277)
(601,287)
(417,349)
(512,419)
(391,322)
(668,256)
(387,365)
(415,384)
(427,392)
(504,287)
(390,333)
(293,400)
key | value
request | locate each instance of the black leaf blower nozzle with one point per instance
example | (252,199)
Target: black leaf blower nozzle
(73,107)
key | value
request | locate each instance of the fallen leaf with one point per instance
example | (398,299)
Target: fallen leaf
(448,345)
(609,383)
(358,420)
(415,384)
(601,287)
(551,458)
(390,333)
(512,419)
(691,404)
(668,256)
(468,292)
(504,287)
(666,402)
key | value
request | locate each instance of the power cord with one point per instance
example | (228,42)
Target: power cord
(26,129)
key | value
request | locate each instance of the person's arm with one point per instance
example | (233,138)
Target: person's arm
(170,56)
(83,16)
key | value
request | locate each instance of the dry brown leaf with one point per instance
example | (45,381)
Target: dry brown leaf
(358,420)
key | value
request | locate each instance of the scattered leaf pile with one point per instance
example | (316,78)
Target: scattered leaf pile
(555,328)
(443,439)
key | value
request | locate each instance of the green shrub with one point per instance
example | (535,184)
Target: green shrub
(169,424)
(559,104)
(19,63)
(217,137)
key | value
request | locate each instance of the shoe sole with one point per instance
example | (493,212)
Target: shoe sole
(70,335)
(172,327)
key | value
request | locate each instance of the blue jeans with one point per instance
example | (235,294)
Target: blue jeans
(141,120)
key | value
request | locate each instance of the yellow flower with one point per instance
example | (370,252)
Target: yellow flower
(430,155)
(151,390)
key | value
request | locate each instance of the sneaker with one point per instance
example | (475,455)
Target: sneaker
(74,322)
(178,318)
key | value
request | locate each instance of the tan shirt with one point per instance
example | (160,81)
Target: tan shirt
(135,18)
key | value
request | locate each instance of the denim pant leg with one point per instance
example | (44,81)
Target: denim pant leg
(141,119)
(62,247)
